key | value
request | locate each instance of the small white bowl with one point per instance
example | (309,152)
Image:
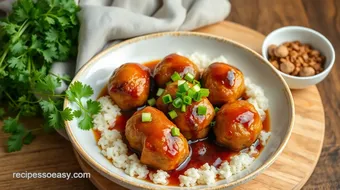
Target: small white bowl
(304,35)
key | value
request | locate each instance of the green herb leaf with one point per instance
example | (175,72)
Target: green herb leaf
(86,123)
(77,113)
(52,35)
(75,93)
(9,28)
(36,44)
(93,107)
(49,20)
(28,138)
(11,125)
(14,142)
(47,106)
(18,48)
(66,114)
(79,90)
(49,54)
(15,62)
(55,120)
(48,83)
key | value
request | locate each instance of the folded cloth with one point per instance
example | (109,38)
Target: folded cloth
(103,21)
(6,6)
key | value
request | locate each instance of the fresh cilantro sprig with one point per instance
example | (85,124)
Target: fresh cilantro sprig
(19,135)
(51,105)
(75,93)
(33,36)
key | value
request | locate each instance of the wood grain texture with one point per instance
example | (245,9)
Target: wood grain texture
(297,162)
(47,153)
(323,16)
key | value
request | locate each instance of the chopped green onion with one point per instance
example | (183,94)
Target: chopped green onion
(146,117)
(197,97)
(183,108)
(194,82)
(191,93)
(172,114)
(179,82)
(187,100)
(196,88)
(180,94)
(160,92)
(189,77)
(167,99)
(177,103)
(175,77)
(213,123)
(216,109)
(204,92)
(152,101)
(183,87)
(175,132)
(201,110)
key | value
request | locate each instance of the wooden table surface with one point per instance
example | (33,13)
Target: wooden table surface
(261,15)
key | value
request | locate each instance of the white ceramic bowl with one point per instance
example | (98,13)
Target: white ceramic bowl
(304,35)
(156,46)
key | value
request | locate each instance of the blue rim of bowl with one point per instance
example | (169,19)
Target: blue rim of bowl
(264,50)
(108,174)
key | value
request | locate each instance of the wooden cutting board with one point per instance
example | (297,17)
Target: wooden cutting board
(298,160)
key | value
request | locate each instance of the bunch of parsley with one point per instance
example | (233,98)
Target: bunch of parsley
(33,36)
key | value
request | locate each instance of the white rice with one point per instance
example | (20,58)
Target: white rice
(160,177)
(257,98)
(207,175)
(264,136)
(108,114)
(253,151)
(113,147)
(112,144)
(203,61)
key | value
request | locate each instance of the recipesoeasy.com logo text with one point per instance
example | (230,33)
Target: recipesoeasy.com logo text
(50,175)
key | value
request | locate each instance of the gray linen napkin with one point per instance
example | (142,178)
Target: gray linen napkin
(103,21)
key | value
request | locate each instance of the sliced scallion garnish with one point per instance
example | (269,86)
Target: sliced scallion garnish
(172,114)
(146,117)
(167,99)
(175,132)
(201,110)
(175,77)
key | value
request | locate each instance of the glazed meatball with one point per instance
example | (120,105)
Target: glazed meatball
(238,125)
(171,64)
(129,86)
(225,82)
(158,148)
(192,125)
(170,89)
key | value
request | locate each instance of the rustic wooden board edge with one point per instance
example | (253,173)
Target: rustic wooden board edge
(304,180)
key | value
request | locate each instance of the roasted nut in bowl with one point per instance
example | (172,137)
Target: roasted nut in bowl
(303,56)
(280,107)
